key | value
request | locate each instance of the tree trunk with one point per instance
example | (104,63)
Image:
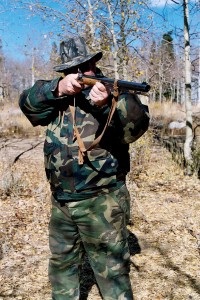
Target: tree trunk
(124,56)
(198,99)
(177,91)
(91,23)
(33,68)
(115,48)
(188,101)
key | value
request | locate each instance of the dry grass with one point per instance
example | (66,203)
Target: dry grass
(167,110)
(170,111)
(164,227)
(165,212)
(14,123)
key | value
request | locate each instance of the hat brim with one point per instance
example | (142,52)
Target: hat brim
(77,61)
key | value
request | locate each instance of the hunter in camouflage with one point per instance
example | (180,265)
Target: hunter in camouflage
(90,201)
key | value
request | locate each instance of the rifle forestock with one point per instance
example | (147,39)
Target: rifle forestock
(127,85)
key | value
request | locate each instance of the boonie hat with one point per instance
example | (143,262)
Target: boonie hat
(74,52)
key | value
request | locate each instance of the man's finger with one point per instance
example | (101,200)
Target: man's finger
(100,86)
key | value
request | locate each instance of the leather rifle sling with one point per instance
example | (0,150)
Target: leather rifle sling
(82,149)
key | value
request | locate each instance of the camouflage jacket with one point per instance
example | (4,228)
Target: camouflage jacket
(105,166)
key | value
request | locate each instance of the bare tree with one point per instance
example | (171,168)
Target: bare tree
(188,101)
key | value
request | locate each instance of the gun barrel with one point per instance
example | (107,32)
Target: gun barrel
(135,86)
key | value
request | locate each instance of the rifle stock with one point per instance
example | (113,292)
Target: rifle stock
(122,84)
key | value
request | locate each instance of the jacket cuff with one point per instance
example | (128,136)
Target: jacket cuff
(51,87)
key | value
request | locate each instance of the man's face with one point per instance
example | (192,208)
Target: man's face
(87,68)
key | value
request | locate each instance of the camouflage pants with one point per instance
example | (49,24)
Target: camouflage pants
(97,226)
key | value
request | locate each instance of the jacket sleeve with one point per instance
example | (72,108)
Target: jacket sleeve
(39,103)
(133,117)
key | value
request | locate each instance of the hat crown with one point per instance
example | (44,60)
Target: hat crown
(72,48)
(74,52)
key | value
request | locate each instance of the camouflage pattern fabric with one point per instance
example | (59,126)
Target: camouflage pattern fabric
(97,223)
(73,52)
(97,226)
(104,164)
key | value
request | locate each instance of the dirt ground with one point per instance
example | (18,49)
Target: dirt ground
(164,228)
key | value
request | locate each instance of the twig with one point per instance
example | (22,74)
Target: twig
(18,156)
(175,2)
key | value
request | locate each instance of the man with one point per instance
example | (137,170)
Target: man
(90,201)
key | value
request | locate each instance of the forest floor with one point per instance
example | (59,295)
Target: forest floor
(164,228)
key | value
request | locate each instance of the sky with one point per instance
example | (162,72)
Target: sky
(20,31)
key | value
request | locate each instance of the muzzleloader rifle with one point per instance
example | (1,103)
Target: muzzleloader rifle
(121,84)
(117,86)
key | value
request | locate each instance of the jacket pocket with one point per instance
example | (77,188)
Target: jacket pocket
(49,148)
(58,167)
(98,171)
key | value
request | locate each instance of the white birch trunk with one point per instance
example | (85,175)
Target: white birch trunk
(91,23)
(115,63)
(124,57)
(198,99)
(33,68)
(160,73)
(188,101)
(177,91)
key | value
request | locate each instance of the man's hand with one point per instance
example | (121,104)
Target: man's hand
(68,86)
(99,94)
